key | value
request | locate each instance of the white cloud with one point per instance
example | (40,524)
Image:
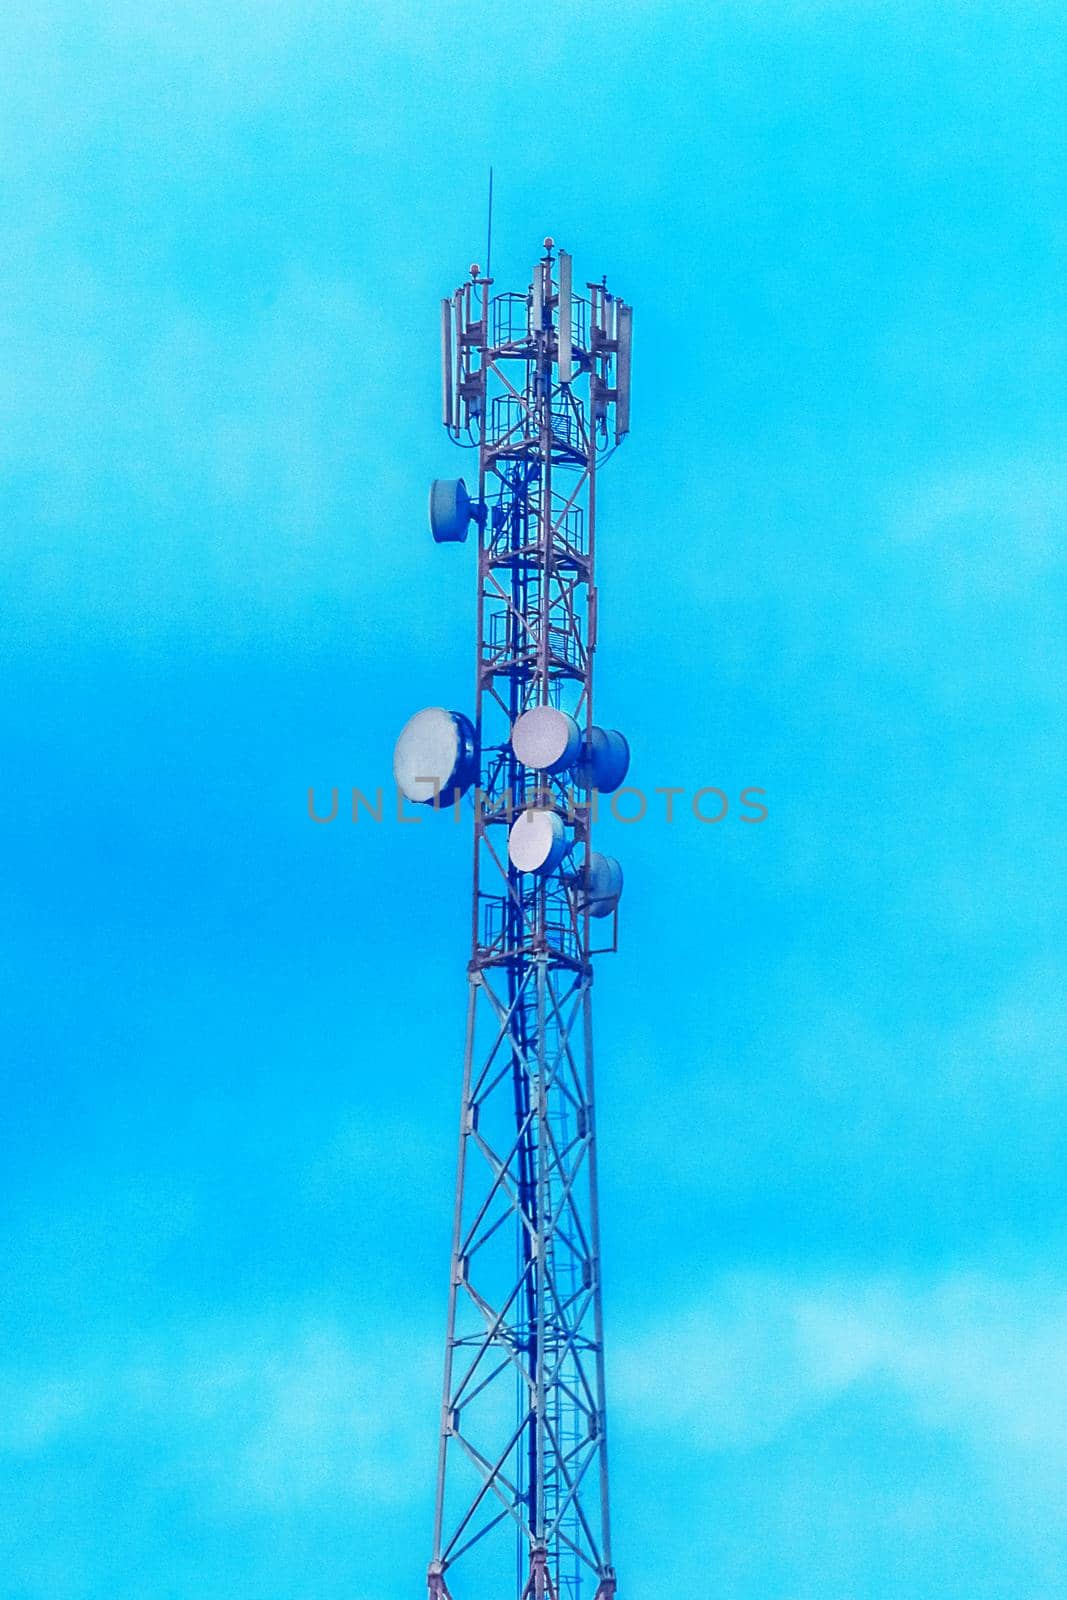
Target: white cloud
(995,526)
(33,1413)
(980,1358)
(254,1416)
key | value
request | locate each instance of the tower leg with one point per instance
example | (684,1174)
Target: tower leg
(438,1588)
(539,1586)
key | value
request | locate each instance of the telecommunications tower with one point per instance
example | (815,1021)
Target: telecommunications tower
(537,383)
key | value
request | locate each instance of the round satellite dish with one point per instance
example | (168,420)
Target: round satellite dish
(604,760)
(546,739)
(435,756)
(450,510)
(600,893)
(538,841)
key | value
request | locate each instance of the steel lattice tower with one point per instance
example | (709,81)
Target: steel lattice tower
(532,382)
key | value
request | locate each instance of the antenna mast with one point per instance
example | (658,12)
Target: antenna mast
(533,382)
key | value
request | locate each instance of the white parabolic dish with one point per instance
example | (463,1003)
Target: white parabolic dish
(601,895)
(537,841)
(546,739)
(431,746)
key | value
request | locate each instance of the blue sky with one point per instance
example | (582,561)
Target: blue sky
(831,1049)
